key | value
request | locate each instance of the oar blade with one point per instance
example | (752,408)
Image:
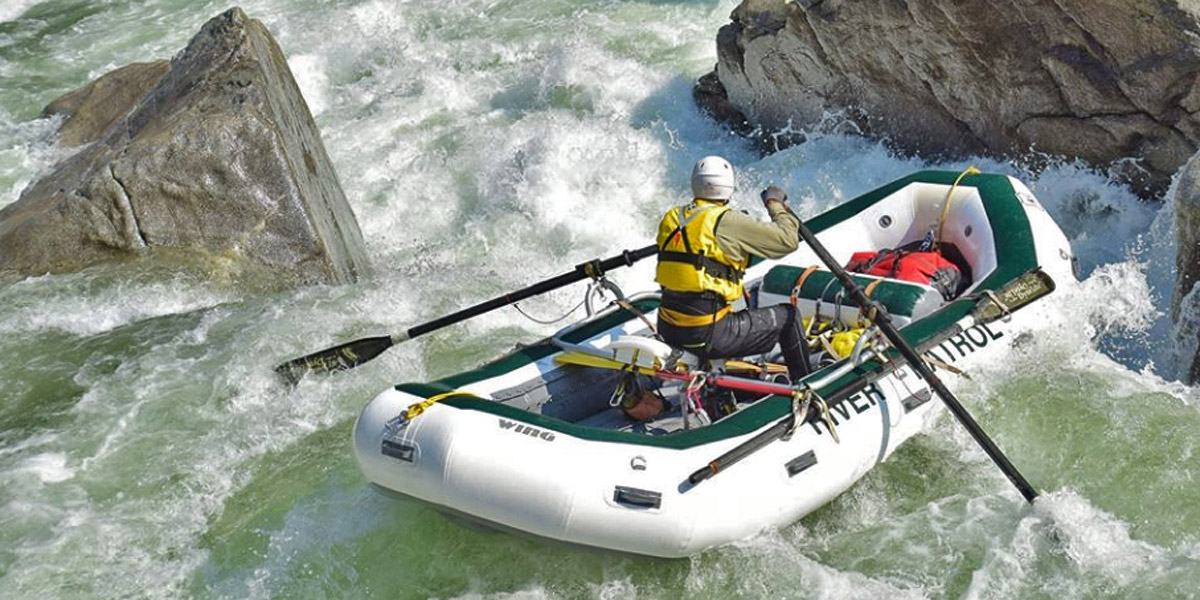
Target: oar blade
(1018,293)
(338,358)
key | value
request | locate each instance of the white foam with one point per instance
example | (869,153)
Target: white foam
(1115,298)
(535,593)
(381,20)
(11,9)
(26,151)
(56,303)
(775,553)
(1101,219)
(1097,542)
(49,467)
(309,72)
(484,147)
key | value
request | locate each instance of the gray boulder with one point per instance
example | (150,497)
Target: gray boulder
(1098,80)
(1186,303)
(215,159)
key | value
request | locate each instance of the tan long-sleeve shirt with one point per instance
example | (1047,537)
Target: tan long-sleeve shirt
(741,235)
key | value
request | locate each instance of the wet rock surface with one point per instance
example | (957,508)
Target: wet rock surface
(1186,302)
(1111,82)
(214,155)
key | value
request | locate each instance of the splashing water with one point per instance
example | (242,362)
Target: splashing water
(146,450)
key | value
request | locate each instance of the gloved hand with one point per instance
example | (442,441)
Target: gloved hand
(774,193)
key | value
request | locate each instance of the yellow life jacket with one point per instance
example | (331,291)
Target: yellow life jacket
(689,258)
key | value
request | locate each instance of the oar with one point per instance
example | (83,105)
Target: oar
(357,352)
(883,320)
(1014,295)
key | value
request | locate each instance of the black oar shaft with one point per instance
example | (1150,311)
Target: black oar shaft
(357,352)
(772,433)
(883,320)
(580,273)
(737,453)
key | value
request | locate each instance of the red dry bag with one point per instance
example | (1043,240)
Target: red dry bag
(929,268)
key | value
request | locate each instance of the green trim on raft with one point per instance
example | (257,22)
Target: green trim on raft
(739,423)
(1015,247)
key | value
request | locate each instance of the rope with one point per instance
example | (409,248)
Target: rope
(693,404)
(941,364)
(828,418)
(552,321)
(625,304)
(415,410)
(1005,312)
(971,170)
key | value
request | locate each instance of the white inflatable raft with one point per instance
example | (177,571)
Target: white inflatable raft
(531,443)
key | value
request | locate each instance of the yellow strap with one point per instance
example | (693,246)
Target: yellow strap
(739,365)
(867,291)
(413,410)
(971,170)
(679,319)
(827,345)
(590,360)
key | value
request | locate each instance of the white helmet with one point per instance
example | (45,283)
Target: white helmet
(712,179)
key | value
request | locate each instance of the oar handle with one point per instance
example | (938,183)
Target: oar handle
(883,320)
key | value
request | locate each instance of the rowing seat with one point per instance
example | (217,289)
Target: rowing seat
(649,353)
(821,294)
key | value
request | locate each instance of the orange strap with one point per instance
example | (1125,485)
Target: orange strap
(871,287)
(800,282)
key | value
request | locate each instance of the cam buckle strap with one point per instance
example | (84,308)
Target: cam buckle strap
(801,401)
(870,314)
(871,287)
(679,319)
(800,282)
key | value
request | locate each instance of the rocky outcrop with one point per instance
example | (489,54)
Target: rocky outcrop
(1185,305)
(214,155)
(1111,82)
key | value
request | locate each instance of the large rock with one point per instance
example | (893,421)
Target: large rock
(1098,80)
(216,158)
(1185,305)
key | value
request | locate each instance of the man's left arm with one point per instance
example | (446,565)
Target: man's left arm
(741,235)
